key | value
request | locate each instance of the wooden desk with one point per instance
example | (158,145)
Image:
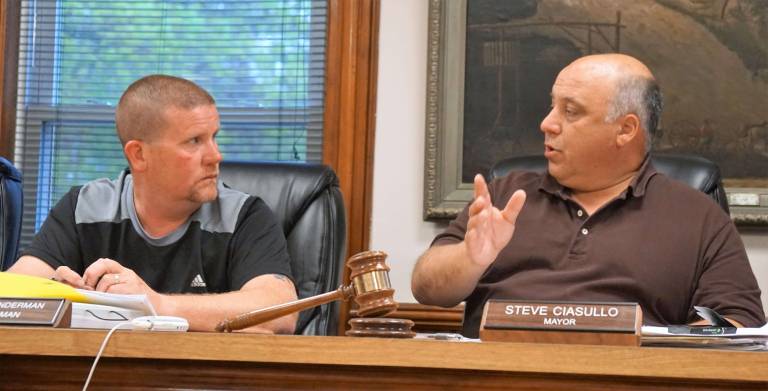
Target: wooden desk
(36,358)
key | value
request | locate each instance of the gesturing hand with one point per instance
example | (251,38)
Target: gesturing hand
(490,229)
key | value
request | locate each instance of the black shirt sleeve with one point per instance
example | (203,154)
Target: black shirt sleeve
(258,246)
(57,241)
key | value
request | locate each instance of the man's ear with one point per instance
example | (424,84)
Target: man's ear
(136,153)
(629,130)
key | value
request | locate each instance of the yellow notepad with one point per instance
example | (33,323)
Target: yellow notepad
(19,285)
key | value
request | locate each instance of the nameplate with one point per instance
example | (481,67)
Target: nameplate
(561,322)
(35,312)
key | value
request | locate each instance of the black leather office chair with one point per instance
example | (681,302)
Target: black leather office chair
(11,206)
(307,202)
(696,171)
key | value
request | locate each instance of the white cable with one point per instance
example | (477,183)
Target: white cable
(101,350)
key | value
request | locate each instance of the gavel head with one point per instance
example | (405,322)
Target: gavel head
(370,280)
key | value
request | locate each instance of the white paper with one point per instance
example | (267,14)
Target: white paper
(445,337)
(134,302)
(95,316)
(740,332)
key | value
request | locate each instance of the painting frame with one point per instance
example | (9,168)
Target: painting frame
(445,194)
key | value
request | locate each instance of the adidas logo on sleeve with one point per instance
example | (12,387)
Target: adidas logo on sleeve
(197,282)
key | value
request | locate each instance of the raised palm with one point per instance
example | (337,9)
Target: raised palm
(490,229)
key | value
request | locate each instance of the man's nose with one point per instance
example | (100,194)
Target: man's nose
(213,155)
(550,124)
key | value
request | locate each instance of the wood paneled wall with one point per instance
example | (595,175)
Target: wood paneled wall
(350,106)
(10,11)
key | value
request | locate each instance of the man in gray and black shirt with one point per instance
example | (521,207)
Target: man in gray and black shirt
(166,227)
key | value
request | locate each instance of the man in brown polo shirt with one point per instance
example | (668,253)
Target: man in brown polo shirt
(601,225)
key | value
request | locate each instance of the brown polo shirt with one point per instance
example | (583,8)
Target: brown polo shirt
(661,244)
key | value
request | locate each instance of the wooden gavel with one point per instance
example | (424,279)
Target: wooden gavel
(369,285)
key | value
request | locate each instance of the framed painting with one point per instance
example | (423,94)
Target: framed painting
(491,65)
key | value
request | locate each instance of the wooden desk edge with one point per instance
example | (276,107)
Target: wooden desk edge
(639,362)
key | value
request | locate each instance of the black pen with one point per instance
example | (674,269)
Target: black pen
(701,330)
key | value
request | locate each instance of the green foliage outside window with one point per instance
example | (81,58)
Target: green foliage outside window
(262,60)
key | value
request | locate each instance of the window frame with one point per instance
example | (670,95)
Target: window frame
(350,105)
(44,118)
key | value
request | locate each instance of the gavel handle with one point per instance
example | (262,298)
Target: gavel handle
(262,315)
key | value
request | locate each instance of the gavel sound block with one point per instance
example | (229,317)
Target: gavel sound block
(369,285)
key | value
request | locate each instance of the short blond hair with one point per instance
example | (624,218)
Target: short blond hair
(140,114)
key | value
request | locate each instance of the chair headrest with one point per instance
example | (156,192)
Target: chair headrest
(9,170)
(696,171)
(532,163)
(287,188)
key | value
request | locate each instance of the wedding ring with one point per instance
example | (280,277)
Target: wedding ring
(116,277)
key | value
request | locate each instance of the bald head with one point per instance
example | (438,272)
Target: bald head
(613,64)
(140,115)
(635,88)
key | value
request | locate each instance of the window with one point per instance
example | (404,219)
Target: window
(262,60)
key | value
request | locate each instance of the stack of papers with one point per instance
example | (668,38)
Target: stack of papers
(138,303)
(90,309)
(744,338)
(95,316)
(445,337)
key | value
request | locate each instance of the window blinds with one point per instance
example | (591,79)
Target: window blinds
(262,60)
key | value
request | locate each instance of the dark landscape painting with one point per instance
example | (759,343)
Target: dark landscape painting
(710,57)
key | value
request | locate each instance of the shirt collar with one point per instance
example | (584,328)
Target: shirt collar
(636,187)
(639,184)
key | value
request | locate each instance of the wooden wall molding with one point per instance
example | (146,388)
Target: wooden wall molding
(430,318)
(10,17)
(350,106)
